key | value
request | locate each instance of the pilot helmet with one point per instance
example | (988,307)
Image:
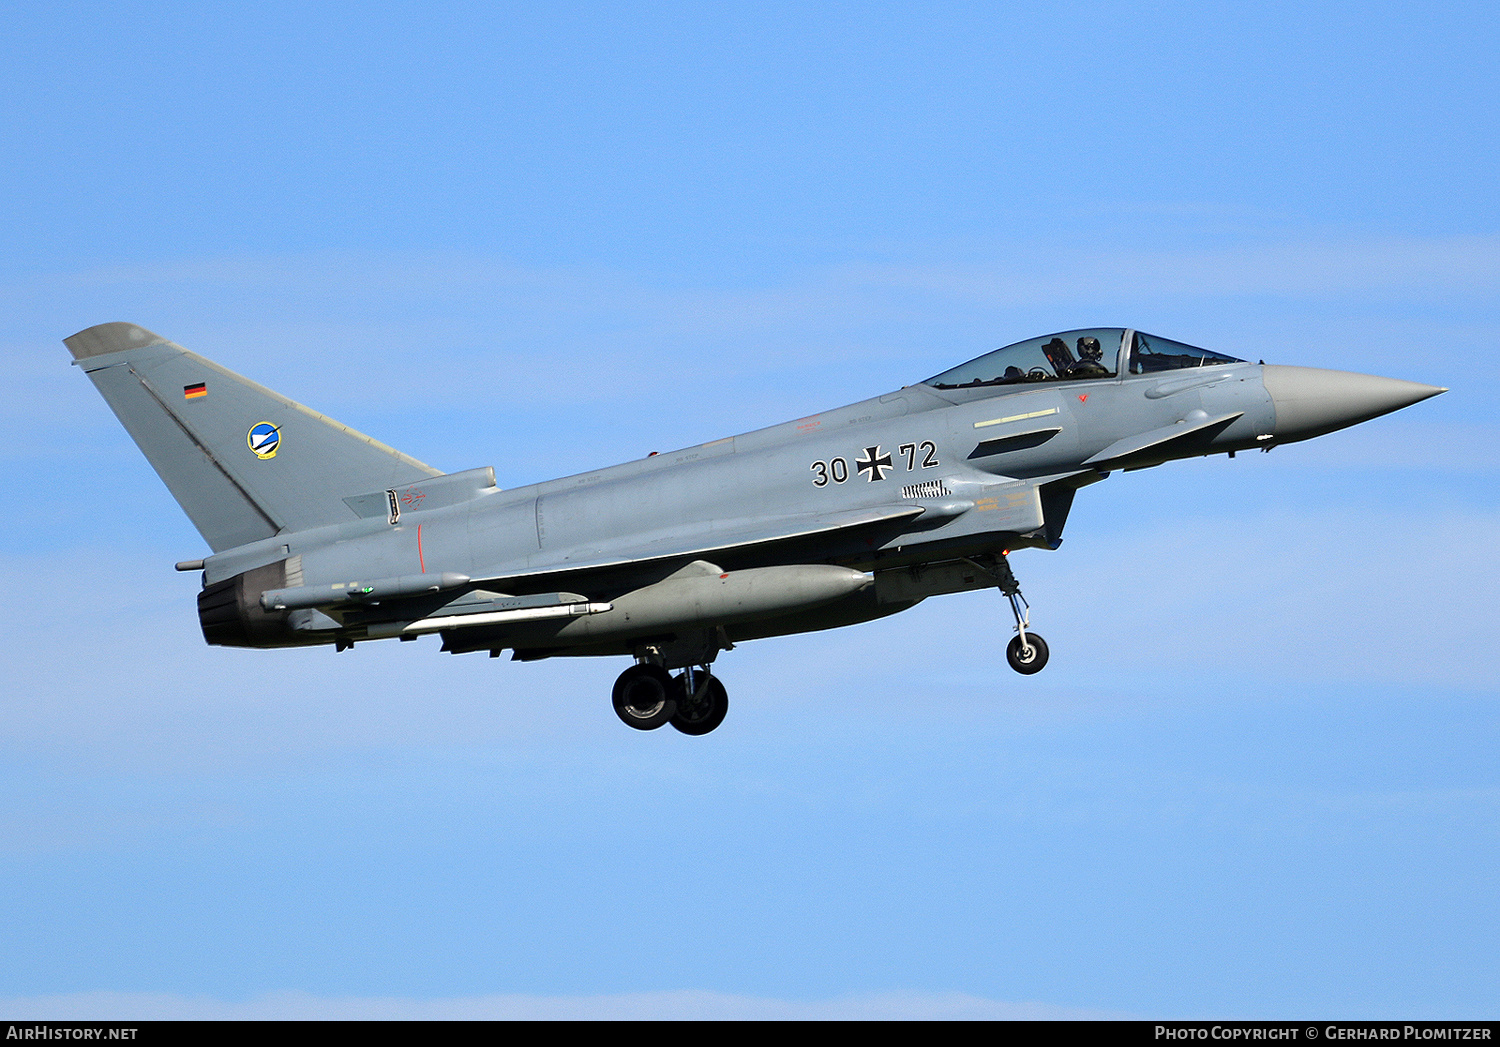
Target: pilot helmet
(1088,349)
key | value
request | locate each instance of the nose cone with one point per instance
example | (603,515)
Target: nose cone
(1310,401)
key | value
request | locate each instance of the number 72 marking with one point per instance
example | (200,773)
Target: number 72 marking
(929,457)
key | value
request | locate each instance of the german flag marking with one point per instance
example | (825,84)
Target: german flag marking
(193,392)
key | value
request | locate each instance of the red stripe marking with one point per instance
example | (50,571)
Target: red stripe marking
(420,562)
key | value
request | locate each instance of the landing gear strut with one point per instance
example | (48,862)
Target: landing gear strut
(1026,652)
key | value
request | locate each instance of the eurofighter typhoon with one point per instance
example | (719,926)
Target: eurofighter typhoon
(321,535)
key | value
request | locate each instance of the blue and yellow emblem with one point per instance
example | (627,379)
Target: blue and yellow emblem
(264,439)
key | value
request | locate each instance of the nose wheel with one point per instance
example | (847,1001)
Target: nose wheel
(1026,653)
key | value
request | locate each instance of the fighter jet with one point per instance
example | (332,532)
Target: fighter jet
(322,535)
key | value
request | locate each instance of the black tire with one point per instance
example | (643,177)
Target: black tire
(644,697)
(702,716)
(1027,662)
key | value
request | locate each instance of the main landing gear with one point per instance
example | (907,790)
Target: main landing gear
(646,696)
(1026,652)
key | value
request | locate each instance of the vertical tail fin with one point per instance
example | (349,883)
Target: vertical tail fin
(243,462)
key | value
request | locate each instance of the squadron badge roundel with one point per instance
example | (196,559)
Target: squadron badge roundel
(264,440)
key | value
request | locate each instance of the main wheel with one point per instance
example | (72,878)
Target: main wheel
(699,715)
(645,697)
(1028,658)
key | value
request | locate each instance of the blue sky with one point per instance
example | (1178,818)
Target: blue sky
(1258,776)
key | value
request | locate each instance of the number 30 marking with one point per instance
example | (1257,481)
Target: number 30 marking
(837,469)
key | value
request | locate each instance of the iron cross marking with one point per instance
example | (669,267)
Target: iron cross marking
(874,463)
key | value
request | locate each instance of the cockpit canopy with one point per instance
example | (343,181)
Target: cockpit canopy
(1076,356)
(1149,353)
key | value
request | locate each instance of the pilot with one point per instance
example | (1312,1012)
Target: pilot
(1090,357)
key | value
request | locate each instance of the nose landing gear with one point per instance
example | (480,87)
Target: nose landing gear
(1027,651)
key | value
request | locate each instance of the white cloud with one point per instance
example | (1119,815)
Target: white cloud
(501,303)
(1451,266)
